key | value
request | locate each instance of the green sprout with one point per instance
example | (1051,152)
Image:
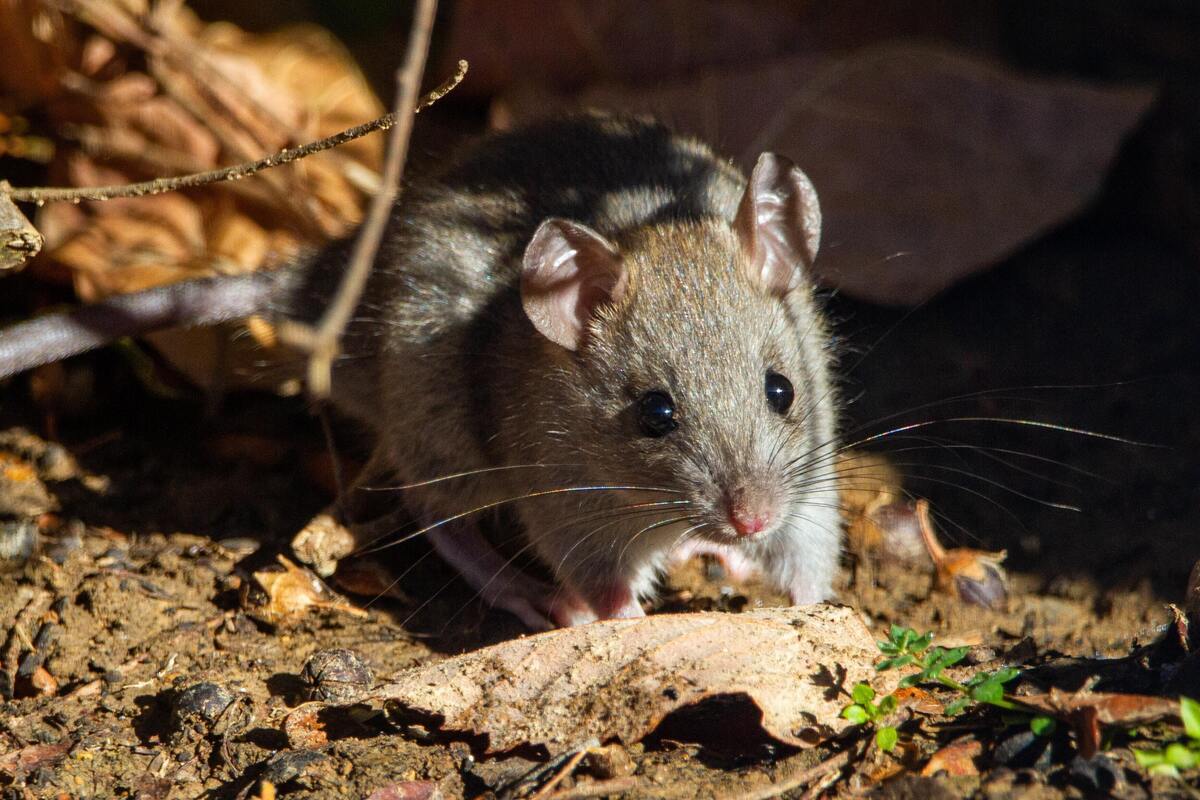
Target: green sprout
(1176,756)
(863,711)
(903,648)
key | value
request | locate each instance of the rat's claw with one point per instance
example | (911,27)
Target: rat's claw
(529,614)
(738,567)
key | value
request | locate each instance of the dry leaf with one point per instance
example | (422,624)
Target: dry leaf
(295,590)
(133,95)
(973,576)
(22,494)
(930,164)
(1087,711)
(1111,708)
(955,759)
(408,790)
(304,728)
(567,43)
(617,679)
(28,759)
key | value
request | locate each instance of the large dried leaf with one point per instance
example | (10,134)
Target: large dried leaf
(1087,711)
(133,91)
(930,165)
(568,43)
(617,679)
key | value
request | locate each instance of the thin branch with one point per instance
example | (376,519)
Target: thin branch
(49,194)
(322,342)
(802,777)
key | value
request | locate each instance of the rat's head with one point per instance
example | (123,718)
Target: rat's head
(690,356)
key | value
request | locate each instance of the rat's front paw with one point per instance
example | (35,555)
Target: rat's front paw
(540,606)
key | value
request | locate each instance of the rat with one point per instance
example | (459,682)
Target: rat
(591,321)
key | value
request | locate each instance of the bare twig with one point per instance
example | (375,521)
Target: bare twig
(322,342)
(562,773)
(604,788)
(802,777)
(557,768)
(55,194)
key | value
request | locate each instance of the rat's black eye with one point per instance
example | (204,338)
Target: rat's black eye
(656,414)
(779,393)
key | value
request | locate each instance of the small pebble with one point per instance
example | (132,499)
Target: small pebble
(202,703)
(1023,749)
(18,541)
(610,762)
(1095,774)
(337,676)
(289,765)
(239,547)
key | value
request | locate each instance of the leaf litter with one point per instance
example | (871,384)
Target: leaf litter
(616,680)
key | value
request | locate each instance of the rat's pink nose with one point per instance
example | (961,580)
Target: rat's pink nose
(748,514)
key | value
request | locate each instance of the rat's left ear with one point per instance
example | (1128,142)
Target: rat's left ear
(778,223)
(568,271)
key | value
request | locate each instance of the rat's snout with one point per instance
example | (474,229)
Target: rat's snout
(750,512)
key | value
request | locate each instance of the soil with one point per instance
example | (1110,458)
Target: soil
(153,513)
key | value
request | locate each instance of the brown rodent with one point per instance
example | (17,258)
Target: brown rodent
(596,323)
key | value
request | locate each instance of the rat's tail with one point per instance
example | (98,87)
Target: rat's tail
(189,304)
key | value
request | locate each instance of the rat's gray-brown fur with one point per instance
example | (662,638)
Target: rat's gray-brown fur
(442,361)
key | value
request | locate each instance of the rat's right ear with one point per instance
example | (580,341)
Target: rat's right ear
(568,271)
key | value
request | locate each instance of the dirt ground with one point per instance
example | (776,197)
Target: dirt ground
(152,514)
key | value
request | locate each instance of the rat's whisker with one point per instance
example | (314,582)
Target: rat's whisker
(371,548)
(465,474)
(1029,423)
(647,529)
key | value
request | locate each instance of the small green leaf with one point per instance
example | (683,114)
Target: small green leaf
(1043,726)
(855,713)
(1006,674)
(886,738)
(1189,710)
(910,680)
(893,663)
(1148,758)
(988,692)
(948,658)
(954,708)
(862,693)
(921,642)
(1178,755)
(887,705)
